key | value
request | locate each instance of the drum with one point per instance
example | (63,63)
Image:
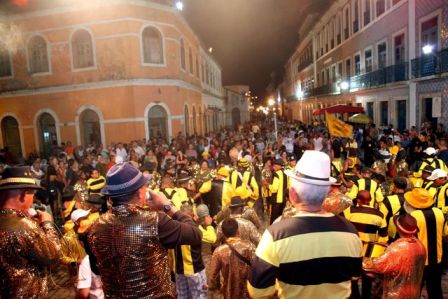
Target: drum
(373,249)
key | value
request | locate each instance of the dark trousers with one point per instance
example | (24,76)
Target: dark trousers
(276,210)
(366,285)
(259,207)
(432,278)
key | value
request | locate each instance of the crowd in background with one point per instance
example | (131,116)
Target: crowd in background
(233,184)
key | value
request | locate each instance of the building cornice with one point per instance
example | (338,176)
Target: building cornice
(101,85)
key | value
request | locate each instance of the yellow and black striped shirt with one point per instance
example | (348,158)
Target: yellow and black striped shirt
(95,185)
(279,186)
(441,198)
(368,185)
(370,224)
(434,162)
(187,259)
(392,206)
(306,256)
(432,227)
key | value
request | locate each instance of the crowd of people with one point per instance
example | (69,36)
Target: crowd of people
(244,213)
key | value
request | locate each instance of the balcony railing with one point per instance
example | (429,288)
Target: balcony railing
(325,89)
(430,64)
(390,74)
(381,77)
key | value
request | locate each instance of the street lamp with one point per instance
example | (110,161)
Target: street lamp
(345,85)
(427,49)
(179,5)
(271,102)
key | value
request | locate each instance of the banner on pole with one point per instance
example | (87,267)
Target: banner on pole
(337,127)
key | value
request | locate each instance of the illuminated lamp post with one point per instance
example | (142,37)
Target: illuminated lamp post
(271,103)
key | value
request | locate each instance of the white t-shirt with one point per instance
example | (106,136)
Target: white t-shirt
(139,151)
(317,142)
(289,144)
(122,154)
(87,279)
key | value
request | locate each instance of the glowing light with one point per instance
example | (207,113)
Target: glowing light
(180,5)
(210,50)
(271,102)
(20,2)
(345,85)
(427,49)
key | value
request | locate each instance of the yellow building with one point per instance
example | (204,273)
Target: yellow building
(103,71)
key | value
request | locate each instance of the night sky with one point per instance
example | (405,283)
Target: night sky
(252,38)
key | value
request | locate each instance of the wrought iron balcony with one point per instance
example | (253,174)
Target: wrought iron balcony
(381,77)
(390,74)
(430,64)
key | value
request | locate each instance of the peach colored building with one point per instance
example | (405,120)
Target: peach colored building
(103,71)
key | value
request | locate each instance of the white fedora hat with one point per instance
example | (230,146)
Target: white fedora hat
(313,168)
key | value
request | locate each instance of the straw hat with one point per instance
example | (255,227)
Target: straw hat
(419,198)
(18,178)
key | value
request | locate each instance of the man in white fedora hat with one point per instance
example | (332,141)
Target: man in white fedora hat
(313,254)
(432,160)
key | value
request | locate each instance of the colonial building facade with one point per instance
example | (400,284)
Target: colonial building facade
(101,72)
(388,56)
(237,104)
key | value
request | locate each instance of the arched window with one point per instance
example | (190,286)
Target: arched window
(195,130)
(47,132)
(38,55)
(5,61)
(158,122)
(152,46)
(82,49)
(90,127)
(182,54)
(205,120)
(187,121)
(190,57)
(11,136)
(197,66)
(200,121)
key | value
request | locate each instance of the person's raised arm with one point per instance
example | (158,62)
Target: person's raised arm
(175,228)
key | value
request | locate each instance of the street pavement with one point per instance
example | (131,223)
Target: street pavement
(60,286)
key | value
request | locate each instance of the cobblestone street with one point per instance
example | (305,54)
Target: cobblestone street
(60,285)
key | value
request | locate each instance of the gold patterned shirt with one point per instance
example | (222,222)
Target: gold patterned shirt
(27,251)
(234,271)
(246,228)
